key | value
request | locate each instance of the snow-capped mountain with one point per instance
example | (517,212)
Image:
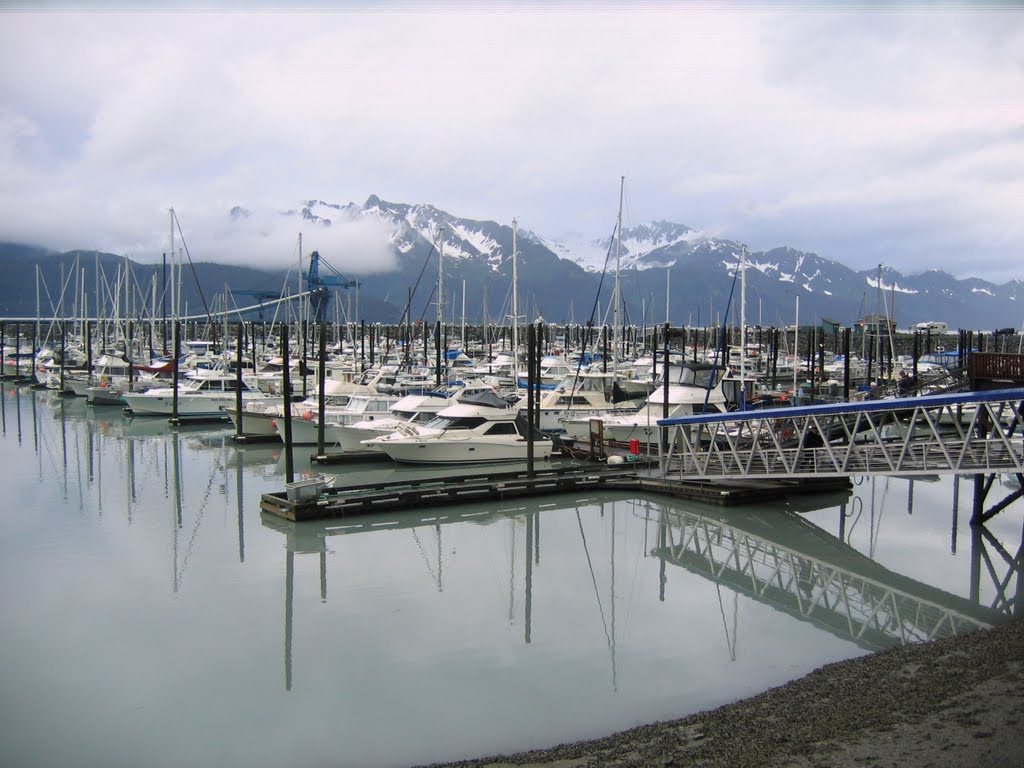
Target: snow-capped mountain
(557,271)
(561,278)
(658,244)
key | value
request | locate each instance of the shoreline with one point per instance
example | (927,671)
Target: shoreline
(952,702)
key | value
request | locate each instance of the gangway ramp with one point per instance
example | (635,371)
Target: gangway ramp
(956,433)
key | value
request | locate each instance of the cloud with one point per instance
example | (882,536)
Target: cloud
(819,128)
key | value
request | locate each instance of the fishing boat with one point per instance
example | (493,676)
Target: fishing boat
(479,428)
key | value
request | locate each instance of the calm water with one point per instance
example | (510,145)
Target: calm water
(153,616)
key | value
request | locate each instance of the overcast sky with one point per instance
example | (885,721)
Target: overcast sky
(891,136)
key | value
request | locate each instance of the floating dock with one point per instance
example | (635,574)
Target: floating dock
(313,500)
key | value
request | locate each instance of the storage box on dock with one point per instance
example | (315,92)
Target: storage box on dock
(305,490)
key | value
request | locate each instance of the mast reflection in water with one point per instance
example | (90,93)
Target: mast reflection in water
(155,617)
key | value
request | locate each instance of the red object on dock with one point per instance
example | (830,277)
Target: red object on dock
(634,447)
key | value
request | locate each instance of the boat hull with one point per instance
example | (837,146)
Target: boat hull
(188,405)
(462,451)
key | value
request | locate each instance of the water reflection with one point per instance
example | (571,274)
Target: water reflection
(135,571)
(799,569)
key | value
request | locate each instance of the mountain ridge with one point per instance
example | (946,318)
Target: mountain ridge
(559,275)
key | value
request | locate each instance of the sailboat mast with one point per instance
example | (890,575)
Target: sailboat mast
(515,305)
(440,284)
(300,310)
(174,295)
(796,350)
(38,310)
(616,318)
(668,288)
(743,325)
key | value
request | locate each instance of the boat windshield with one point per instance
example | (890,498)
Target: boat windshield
(455,422)
(696,377)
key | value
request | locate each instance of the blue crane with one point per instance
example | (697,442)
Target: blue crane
(320,287)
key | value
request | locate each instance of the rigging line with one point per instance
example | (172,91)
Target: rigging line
(195,277)
(423,554)
(199,520)
(729,640)
(408,303)
(593,313)
(721,340)
(593,579)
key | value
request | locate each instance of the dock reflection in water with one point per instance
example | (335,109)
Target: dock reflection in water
(155,617)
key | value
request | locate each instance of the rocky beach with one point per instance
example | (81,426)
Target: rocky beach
(953,702)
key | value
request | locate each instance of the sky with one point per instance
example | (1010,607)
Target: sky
(868,133)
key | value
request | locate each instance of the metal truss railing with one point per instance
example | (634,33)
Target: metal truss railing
(964,433)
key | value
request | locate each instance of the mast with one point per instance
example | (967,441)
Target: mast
(440,282)
(174,295)
(515,305)
(301,312)
(668,287)
(796,350)
(38,309)
(743,326)
(878,331)
(616,315)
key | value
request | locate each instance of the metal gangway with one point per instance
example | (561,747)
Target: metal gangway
(798,568)
(956,433)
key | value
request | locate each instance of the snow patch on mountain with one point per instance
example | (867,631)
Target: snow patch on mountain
(480,240)
(588,253)
(880,284)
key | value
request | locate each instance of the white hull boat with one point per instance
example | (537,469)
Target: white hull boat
(205,396)
(479,429)
(693,388)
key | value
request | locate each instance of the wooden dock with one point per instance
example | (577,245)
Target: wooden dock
(417,494)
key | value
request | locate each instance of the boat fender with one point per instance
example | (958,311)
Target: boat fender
(307,415)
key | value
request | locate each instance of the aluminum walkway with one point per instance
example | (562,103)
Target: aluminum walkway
(960,433)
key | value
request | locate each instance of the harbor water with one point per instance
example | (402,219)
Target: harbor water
(152,615)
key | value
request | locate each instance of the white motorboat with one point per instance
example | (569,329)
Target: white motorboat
(259,416)
(586,394)
(411,409)
(693,388)
(203,395)
(359,407)
(479,428)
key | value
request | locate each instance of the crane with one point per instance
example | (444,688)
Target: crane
(319,287)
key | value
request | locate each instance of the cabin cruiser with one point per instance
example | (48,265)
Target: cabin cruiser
(479,428)
(201,394)
(305,430)
(416,408)
(259,416)
(585,394)
(693,388)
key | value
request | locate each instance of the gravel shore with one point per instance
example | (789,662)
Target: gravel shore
(953,702)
